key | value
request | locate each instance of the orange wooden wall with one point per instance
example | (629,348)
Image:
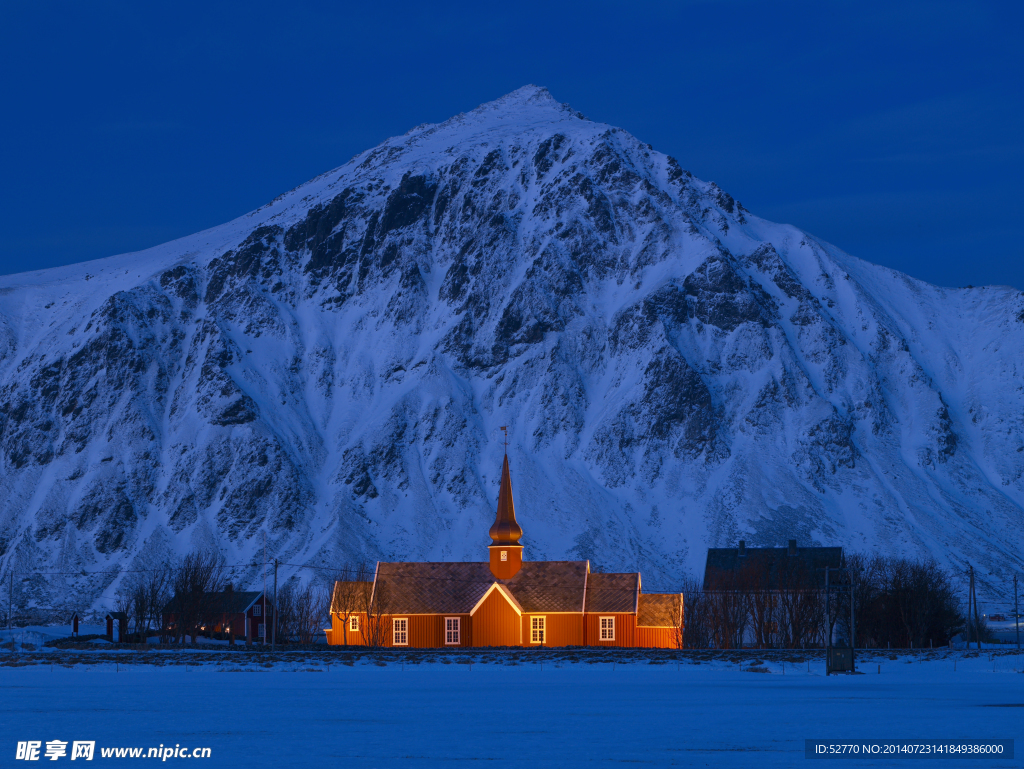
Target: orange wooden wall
(559,629)
(338,631)
(625,630)
(426,631)
(496,623)
(656,637)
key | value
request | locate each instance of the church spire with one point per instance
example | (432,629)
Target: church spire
(506,530)
(506,552)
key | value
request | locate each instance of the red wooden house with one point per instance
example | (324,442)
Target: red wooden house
(233,613)
(504,601)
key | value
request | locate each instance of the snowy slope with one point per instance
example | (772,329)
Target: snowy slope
(332,370)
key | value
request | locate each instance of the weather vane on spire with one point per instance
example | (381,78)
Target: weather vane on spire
(504,429)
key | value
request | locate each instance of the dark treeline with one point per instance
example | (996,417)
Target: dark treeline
(193,589)
(898,602)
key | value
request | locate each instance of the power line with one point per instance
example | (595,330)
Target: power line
(521,584)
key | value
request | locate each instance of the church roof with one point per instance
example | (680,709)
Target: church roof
(660,610)
(455,588)
(549,585)
(612,592)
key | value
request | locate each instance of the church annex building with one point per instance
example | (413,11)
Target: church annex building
(505,601)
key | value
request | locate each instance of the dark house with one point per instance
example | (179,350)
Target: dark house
(234,613)
(769,568)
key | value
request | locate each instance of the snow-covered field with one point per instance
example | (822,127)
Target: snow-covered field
(306,711)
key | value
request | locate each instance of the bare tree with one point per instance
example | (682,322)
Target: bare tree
(345,599)
(157,589)
(140,605)
(375,603)
(902,602)
(303,607)
(123,603)
(728,612)
(142,597)
(696,633)
(762,606)
(800,609)
(286,627)
(678,628)
(312,604)
(198,575)
(728,609)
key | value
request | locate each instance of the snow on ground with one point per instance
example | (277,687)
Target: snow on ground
(40,634)
(311,709)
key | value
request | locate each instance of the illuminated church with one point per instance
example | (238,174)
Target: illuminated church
(504,601)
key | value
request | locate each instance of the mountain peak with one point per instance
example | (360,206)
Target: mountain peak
(528,95)
(531,103)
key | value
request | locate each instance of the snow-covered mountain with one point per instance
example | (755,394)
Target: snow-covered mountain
(332,370)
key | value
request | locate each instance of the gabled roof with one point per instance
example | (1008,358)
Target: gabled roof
(770,567)
(356,587)
(497,587)
(455,588)
(612,592)
(118,615)
(227,602)
(660,610)
(236,601)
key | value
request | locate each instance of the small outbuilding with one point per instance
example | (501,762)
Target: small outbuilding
(73,621)
(117,626)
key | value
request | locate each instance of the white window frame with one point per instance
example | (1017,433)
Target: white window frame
(538,629)
(353,623)
(257,610)
(403,633)
(607,626)
(504,555)
(453,631)
(261,630)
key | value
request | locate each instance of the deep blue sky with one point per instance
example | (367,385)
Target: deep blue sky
(894,130)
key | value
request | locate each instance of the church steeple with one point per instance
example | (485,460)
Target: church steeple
(506,530)
(506,552)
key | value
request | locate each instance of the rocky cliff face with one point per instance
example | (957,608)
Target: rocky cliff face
(332,369)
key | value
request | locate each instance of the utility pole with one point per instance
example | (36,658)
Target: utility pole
(1016,612)
(977,622)
(264,587)
(273,638)
(853,624)
(970,594)
(970,604)
(828,627)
